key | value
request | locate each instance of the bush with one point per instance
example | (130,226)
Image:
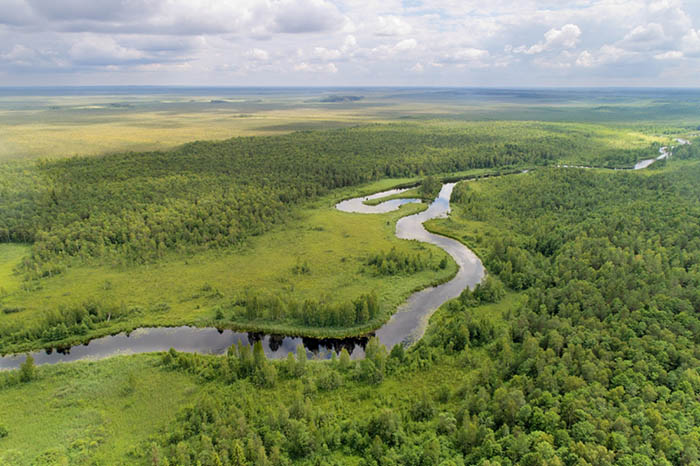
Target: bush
(27,370)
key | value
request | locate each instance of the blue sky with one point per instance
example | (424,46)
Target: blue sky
(351,42)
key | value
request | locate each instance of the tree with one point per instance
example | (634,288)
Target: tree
(301,360)
(27,370)
(237,454)
(344,361)
(259,355)
(430,186)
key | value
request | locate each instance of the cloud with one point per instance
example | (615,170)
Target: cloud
(303,16)
(464,57)
(176,16)
(15,12)
(565,38)
(392,26)
(258,54)
(349,44)
(388,51)
(670,55)
(316,67)
(649,37)
(101,51)
(103,10)
(652,32)
(260,41)
(691,43)
(606,55)
(20,55)
(417,68)
(406,44)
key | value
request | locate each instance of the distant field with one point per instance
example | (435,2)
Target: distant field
(90,131)
(62,124)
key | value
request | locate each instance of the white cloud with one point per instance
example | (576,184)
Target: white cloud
(691,43)
(392,26)
(406,44)
(652,32)
(258,54)
(565,38)
(464,57)
(417,68)
(103,50)
(585,59)
(349,44)
(670,55)
(388,51)
(606,55)
(256,39)
(20,54)
(323,53)
(316,68)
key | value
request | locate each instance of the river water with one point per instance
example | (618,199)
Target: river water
(405,326)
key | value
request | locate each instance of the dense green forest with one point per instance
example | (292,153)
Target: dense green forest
(134,207)
(597,365)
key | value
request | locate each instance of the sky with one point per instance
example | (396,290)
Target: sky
(507,43)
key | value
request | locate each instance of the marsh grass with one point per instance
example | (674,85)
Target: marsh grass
(89,412)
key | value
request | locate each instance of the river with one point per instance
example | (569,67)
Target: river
(405,326)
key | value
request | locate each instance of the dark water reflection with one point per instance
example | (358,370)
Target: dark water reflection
(189,339)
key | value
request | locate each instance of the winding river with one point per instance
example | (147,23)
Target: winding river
(410,320)
(406,325)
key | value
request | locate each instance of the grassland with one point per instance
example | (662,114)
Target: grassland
(526,388)
(92,122)
(90,413)
(198,288)
(10,257)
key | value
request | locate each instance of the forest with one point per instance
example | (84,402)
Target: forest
(580,347)
(134,207)
(597,365)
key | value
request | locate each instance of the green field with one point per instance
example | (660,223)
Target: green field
(54,126)
(89,413)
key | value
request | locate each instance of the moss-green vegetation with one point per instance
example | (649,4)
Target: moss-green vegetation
(575,368)
(87,413)
(10,258)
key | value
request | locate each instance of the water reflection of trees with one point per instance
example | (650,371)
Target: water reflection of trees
(273,343)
